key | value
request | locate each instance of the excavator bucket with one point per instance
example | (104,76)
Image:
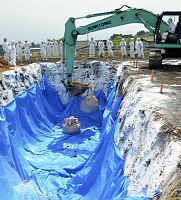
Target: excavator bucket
(76,89)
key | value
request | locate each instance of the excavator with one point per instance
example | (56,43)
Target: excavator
(156,24)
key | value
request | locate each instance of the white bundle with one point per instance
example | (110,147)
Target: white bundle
(71,125)
(89,104)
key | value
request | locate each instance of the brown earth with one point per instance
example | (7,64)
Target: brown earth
(3,65)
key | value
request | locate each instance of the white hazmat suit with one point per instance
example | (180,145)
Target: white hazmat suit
(49,49)
(139,48)
(171,29)
(109,48)
(61,48)
(172,26)
(19,48)
(55,49)
(123,47)
(101,48)
(5,47)
(12,54)
(131,45)
(43,50)
(27,50)
(92,47)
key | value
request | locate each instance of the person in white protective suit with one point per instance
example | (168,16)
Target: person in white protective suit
(43,50)
(5,47)
(101,48)
(132,49)
(61,48)
(109,48)
(171,30)
(55,49)
(136,47)
(19,48)
(172,26)
(27,50)
(92,48)
(49,49)
(123,47)
(139,48)
(12,51)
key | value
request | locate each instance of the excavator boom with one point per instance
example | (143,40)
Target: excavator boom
(117,17)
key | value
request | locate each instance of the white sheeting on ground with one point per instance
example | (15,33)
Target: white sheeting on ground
(151,152)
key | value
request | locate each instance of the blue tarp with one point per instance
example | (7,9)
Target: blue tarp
(38,161)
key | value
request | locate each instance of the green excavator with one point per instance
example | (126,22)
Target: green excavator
(156,24)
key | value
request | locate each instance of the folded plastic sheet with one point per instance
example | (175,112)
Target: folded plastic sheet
(38,161)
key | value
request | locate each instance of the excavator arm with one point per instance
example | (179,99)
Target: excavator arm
(117,17)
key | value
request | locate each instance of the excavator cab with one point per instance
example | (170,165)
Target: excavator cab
(167,40)
(173,34)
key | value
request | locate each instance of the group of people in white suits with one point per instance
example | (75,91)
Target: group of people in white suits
(13,51)
(136,48)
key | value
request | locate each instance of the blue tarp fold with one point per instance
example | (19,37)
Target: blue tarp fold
(38,161)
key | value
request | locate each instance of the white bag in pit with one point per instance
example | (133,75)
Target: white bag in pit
(89,104)
(71,125)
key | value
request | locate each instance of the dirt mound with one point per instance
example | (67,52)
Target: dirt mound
(3,65)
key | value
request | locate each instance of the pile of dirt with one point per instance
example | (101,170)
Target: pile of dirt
(3,65)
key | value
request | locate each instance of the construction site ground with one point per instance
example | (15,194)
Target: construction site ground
(170,71)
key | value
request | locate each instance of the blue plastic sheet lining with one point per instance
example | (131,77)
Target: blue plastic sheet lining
(38,161)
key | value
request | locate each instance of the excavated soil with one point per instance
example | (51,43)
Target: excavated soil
(171,75)
(3,65)
(168,109)
(171,79)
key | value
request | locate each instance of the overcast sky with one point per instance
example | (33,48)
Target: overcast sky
(37,20)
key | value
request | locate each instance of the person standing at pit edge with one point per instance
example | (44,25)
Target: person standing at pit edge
(12,54)
(19,48)
(139,48)
(61,48)
(5,47)
(123,47)
(109,48)
(101,48)
(132,47)
(43,50)
(49,49)
(27,50)
(92,48)
(55,49)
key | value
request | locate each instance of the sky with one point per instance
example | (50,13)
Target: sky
(37,20)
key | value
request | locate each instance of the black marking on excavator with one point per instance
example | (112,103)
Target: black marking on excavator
(99,25)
